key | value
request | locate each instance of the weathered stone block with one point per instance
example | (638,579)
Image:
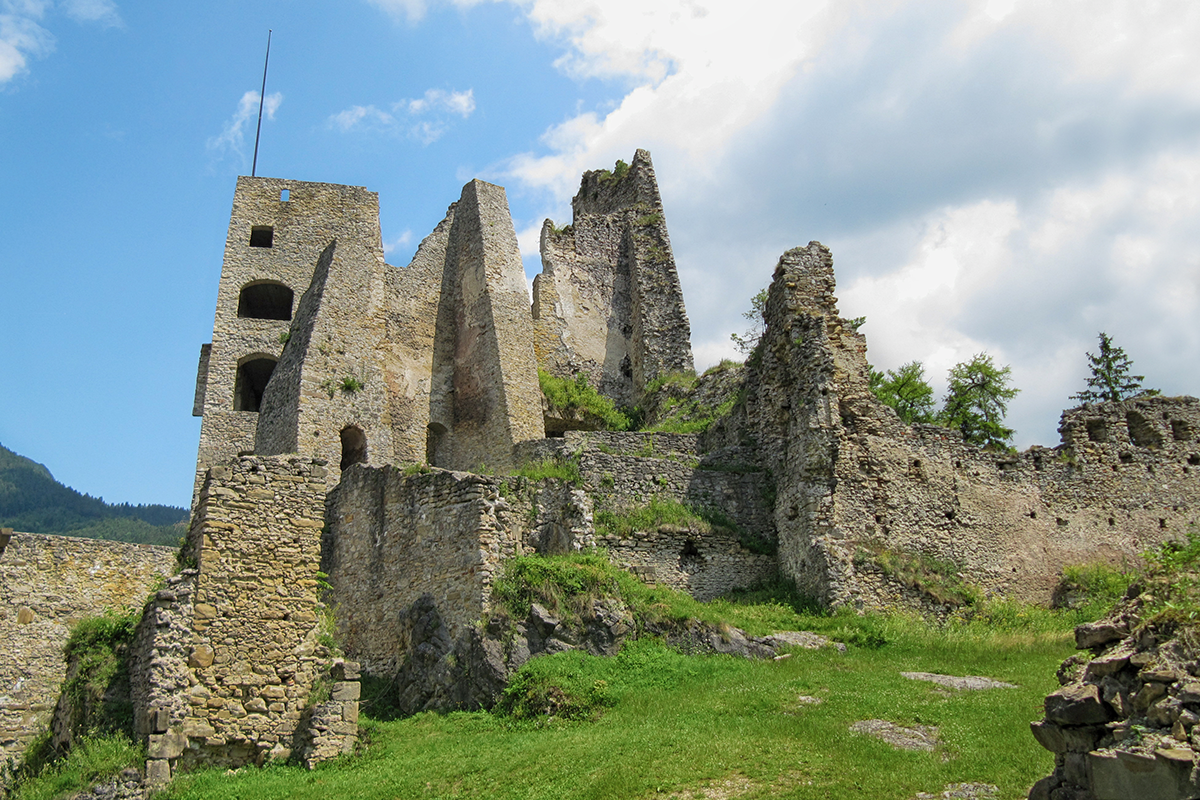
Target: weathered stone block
(1077,704)
(1122,775)
(166,745)
(201,657)
(158,772)
(346,690)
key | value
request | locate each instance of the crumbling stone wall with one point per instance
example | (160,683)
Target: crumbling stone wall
(608,301)
(1124,722)
(394,539)
(228,655)
(852,478)
(486,395)
(48,583)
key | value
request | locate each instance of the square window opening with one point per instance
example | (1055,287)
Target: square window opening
(262,236)
(284,195)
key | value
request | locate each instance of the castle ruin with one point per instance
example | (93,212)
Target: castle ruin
(363,422)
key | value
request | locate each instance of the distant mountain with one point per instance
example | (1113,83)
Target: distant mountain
(32,501)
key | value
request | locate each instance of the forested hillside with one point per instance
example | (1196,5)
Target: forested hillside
(31,500)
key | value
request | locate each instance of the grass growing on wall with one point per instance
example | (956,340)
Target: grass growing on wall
(562,469)
(579,397)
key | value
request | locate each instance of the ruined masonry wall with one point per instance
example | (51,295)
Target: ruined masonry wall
(394,538)
(608,302)
(48,583)
(496,400)
(247,622)
(625,470)
(705,565)
(854,480)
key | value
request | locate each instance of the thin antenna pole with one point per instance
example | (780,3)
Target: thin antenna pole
(261,96)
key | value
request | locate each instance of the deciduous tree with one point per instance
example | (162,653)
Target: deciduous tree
(906,390)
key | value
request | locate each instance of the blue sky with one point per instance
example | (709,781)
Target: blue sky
(1009,177)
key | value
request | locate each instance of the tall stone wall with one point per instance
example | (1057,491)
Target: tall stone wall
(48,583)
(483,340)
(853,480)
(228,656)
(608,302)
(330,396)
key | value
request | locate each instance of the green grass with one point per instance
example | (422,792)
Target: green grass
(659,722)
(92,759)
(561,469)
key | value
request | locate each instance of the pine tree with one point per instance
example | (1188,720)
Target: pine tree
(906,390)
(1110,379)
(977,400)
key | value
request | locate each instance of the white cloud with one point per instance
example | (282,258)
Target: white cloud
(436,107)
(21,38)
(403,240)
(460,103)
(361,116)
(232,138)
(411,10)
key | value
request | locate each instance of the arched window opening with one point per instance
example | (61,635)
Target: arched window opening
(354,446)
(252,378)
(265,300)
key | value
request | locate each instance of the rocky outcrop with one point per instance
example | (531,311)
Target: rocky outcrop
(1124,723)
(471,672)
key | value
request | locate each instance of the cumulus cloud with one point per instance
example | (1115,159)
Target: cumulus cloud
(1002,175)
(232,139)
(425,118)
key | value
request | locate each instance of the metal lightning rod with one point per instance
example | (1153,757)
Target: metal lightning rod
(261,96)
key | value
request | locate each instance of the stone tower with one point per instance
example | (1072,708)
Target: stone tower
(323,350)
(278,230)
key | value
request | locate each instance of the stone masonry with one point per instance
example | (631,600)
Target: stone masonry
(229,656)
(48,583)
(435,362)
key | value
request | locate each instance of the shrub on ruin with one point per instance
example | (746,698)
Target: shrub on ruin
(977,400)
(1111,379)
(747,342)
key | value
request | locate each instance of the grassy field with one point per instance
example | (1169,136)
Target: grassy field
(655,723)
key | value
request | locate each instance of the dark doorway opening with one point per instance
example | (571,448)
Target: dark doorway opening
(252,378)
(354,446)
